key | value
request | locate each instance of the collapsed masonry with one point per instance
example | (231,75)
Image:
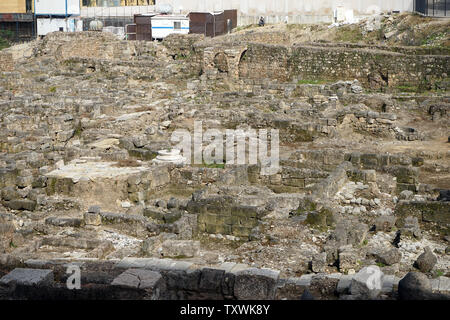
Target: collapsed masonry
(362,180)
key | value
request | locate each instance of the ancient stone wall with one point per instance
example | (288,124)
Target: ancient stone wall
(404,168)
(435,213)
(6,61)
(223,215)
(371,66)
(86,45)
(162,279)
(265,61)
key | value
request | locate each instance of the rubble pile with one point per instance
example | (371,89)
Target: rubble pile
(90,174)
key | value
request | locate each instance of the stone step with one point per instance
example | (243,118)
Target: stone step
(28,277)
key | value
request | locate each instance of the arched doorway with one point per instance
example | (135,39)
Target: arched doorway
(221,62)
(243,65)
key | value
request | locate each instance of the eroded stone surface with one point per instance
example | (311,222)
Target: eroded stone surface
(362,176)
(28,277)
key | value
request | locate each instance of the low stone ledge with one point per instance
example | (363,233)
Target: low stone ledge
(256,284)
(154,264)
(28,277)
(171,279)
(150,281)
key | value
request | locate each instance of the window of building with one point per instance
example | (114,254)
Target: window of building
(177,25)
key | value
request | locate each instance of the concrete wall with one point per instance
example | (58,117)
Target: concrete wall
(45,26)
(111,3)
(125,11)
(297,11)
(57,7)
(249,11)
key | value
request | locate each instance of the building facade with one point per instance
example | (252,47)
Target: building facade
(291,11)
(17,19)
(16,6)
(115,3)
(249,11)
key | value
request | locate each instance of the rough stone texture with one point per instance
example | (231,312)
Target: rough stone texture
(94,219)
(147,280)
(180,248)
(437,212)
(385,223)
(415,286)
(290,289)
(211,280)
(348,259)
(281,62)
(367,283)
(257,284)
(349,233)
(64,222)
(319,262)
(21,204)
(28,277)
(344,284)
(82,116)
(389,257)
(323,288)
(426,261)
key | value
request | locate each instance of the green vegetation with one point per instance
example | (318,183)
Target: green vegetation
(5,38)
(349,34)
(52,89)
(439,273)
(311,81)
(320,220)
(307,206)
(214,165)
(363,244)
(434,39)
(407,88)
(296,26)
(78,130)
(3,44)
(250,26)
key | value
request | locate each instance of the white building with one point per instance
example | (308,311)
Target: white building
(294,11)
(57,15)
(57,7)
(47,25)
(163,25)
(249,11)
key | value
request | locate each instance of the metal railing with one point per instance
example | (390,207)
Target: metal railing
(433,8)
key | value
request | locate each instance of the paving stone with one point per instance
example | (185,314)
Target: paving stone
(444,284)
(150,281)
(344,284)
(367,283)
(305,279)
(28,277)
(434,284)
(153,263)
(256,284)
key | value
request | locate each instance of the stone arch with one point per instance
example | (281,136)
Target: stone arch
(221,62)
(242,65)
(243,55)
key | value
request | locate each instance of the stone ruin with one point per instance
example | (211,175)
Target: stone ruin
(363,180)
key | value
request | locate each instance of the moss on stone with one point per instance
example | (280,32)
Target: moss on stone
(321,219)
